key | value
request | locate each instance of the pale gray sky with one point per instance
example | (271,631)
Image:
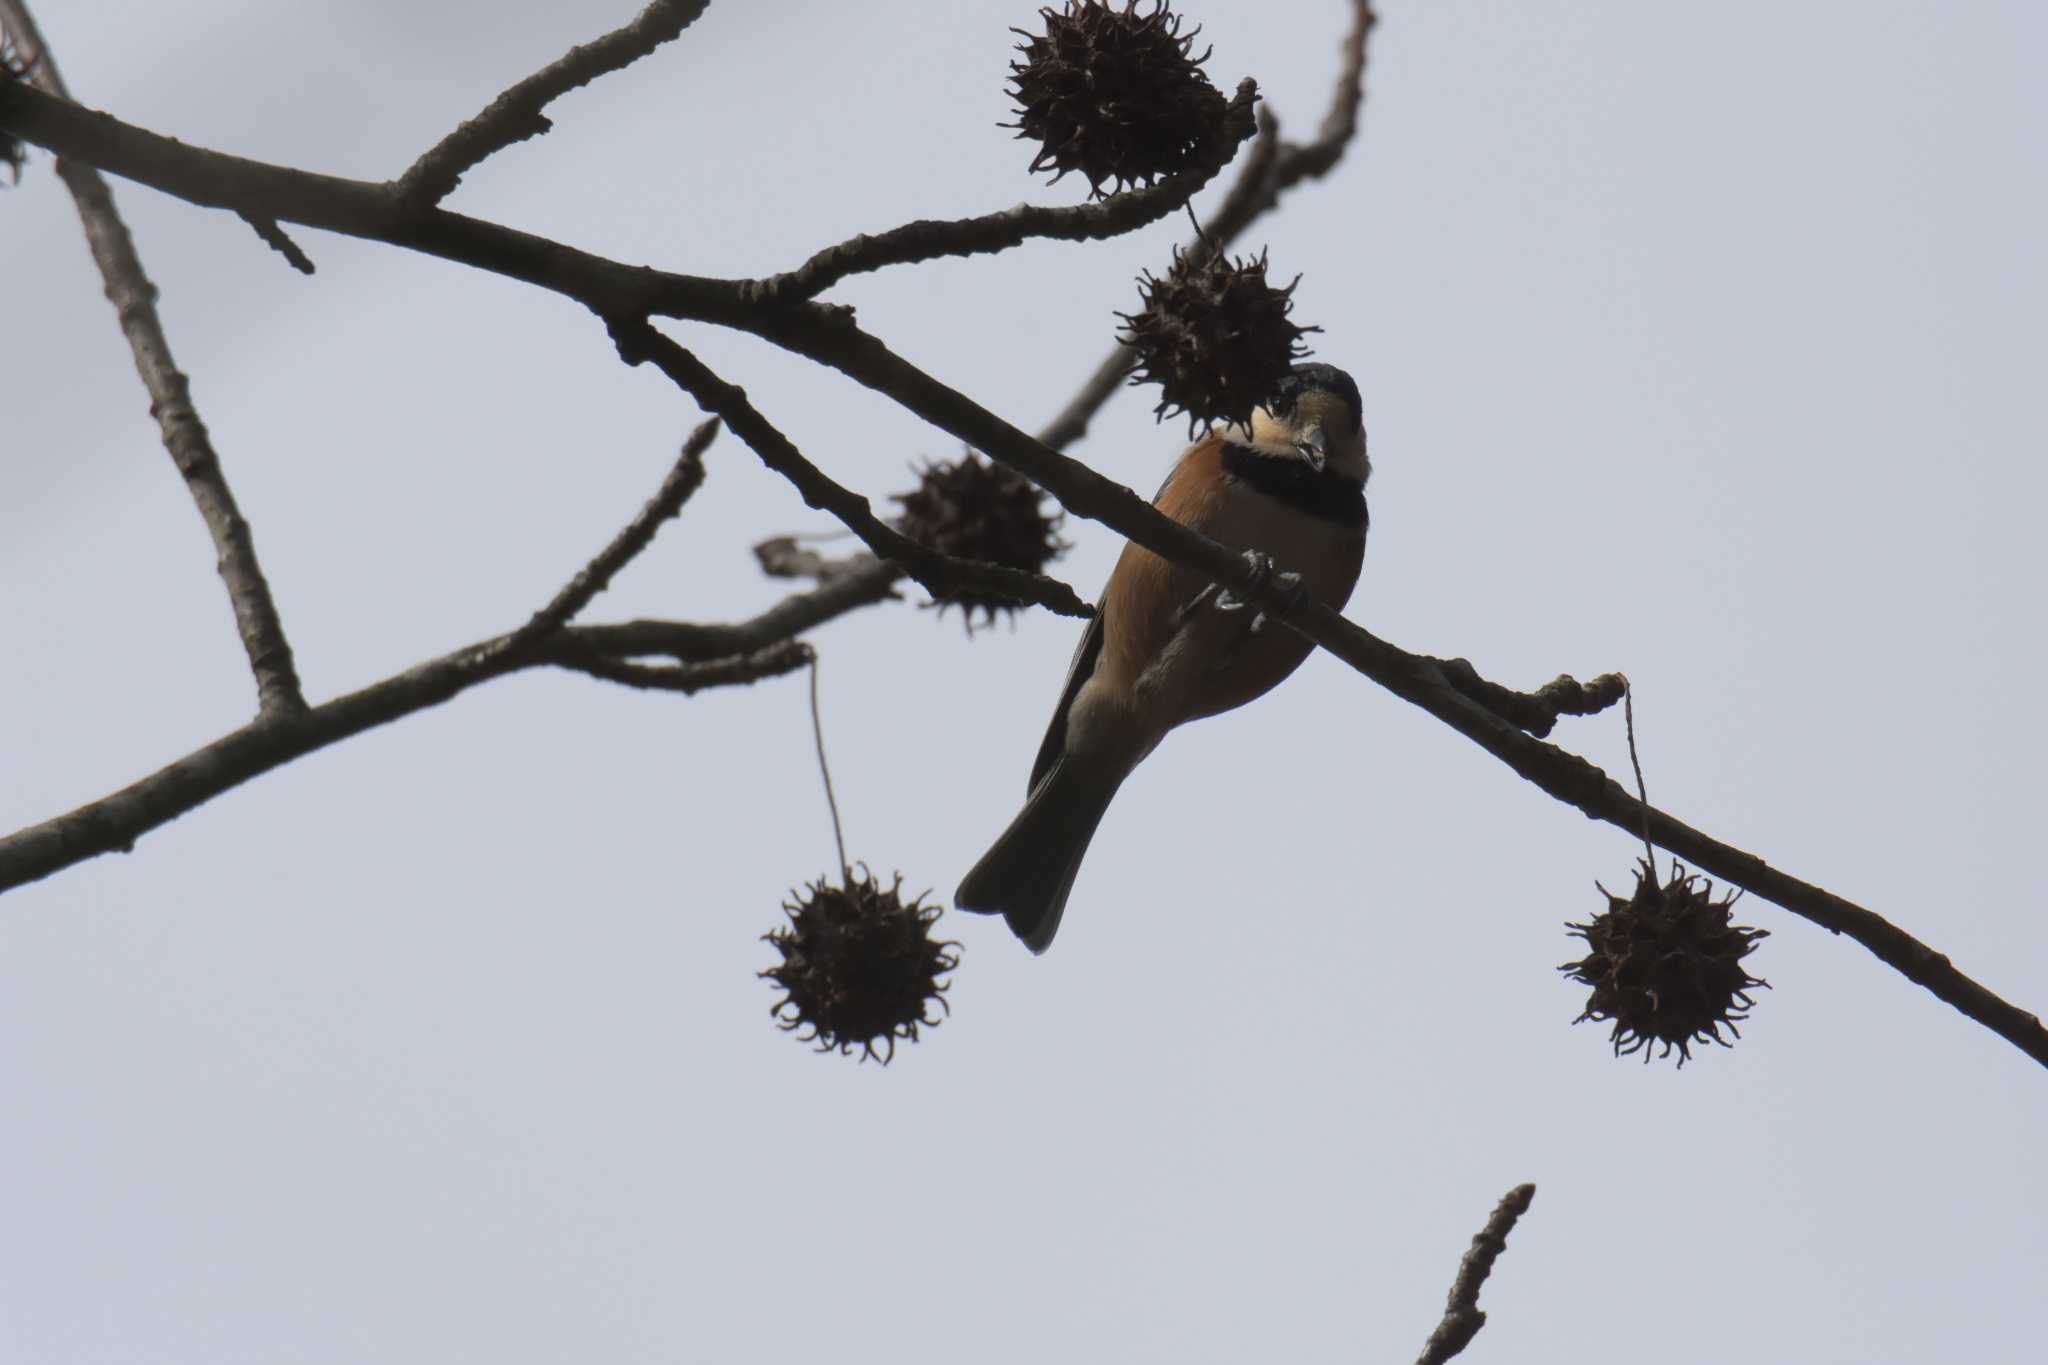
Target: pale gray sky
(1702,343)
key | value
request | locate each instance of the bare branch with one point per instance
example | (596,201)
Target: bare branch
(708,655)
(684,478)
(941,574)
(376,211)
(684,641)
(274,237)
(1071,423)
(516,115)
(786,557)
(1462,1317)
(828,335)
(927,240)
(1538,711)
(772,662)
(385,212)
(184,435)
(1314,160)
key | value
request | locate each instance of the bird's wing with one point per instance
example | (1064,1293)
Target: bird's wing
(1055,742)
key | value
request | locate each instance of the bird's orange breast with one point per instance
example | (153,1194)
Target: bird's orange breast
(1142,602)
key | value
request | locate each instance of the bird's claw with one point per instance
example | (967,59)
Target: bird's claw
(1263,573)
(1291,586)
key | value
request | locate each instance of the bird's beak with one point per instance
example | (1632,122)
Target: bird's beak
(1314,447)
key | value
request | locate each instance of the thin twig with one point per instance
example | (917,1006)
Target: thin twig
(1628,712)
(792,616)
(1314,160)
(787,656)
(516,114)
(684,478)
(373,210)
(943,575)
(1253,193)
(785,557)
(709,655)
(927,240)
(1071,422)
(825,774)
(170,396)
(277,240)
(1537,711)
(1462,1316)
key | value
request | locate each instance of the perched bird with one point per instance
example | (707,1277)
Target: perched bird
(1167,647)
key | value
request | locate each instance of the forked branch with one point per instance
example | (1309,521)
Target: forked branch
(1501,720)
(516,115)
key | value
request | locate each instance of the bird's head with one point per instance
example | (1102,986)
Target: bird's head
(1315,416)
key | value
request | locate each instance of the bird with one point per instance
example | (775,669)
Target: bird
(1166,646)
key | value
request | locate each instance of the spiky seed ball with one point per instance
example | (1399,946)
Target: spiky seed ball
(860,968)
(1215,336)
(1666,965)
(1116,95)
(975,509)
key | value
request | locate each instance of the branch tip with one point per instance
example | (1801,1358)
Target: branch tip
(275,238)
(515,115)
(1462,1317)
(927,240)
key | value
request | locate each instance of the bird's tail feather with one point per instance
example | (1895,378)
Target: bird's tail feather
(1029,871)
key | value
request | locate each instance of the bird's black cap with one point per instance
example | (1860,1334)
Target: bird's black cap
(1328,378)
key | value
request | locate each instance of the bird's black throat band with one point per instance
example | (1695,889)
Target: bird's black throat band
(1325,494)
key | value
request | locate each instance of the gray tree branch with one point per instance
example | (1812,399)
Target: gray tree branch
(683,480)
(1462,1316)
(277,240)
(706,656)
(928,240)
(516,115)
(771,661)
(941,574)
(170,396)
(625,294)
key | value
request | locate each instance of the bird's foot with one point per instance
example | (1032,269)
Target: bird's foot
(1291,586)
(1263,575)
